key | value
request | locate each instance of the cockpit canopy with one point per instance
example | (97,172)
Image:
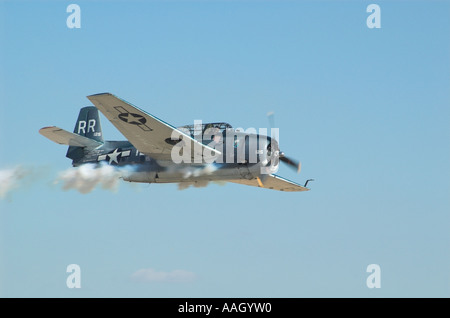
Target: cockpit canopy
(200,129)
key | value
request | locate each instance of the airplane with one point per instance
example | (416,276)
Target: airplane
(157,152)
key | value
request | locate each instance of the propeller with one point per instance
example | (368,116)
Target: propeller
(289,161)
(297,165)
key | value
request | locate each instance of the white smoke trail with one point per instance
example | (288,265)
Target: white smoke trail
(87,177)
(10,179)
(196,172)
(84,178)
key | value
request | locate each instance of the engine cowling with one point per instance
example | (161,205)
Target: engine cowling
(269,154)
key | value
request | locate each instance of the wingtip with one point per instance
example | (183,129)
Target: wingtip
(99,94)
(46,128)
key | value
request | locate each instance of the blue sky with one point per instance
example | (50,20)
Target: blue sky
(365,110)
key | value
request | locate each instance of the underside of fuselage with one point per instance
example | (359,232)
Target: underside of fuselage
(167,172)
(135,166)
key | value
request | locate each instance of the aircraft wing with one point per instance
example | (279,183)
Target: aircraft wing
(273,182)
(149,134)
(64,137)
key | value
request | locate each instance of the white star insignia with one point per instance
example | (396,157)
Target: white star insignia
(113,156)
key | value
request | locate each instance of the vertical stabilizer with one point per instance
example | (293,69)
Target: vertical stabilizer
(87,125)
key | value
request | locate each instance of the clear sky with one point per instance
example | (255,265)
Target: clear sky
(365,110)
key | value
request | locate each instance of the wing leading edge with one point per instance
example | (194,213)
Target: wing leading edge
(149,134)
(273,182)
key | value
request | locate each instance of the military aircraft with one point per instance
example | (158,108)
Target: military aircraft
(158,152)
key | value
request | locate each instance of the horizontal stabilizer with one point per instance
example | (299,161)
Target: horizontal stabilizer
(273,182)
(63,137)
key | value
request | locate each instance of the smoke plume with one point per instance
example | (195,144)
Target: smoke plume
(87,177)
(11,179)
(196,172)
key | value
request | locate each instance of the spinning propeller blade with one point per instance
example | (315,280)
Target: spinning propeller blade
(291,162)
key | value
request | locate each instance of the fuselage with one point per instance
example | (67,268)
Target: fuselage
(244,156)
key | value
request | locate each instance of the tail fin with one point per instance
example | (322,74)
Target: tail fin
(87,125)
